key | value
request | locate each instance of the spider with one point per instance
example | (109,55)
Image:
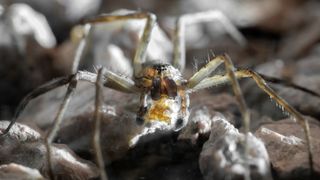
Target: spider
(163,91)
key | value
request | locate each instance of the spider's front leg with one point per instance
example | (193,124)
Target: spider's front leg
(72,81)
(140,54)
(223,79)
(195,81)
(103,78)
(204,72)
(106,78)
(109,79)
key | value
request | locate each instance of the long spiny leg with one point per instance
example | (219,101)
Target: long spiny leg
(118,82)
(109,79)
(35,93)
(302,121)
(57,122)
(187,19)
(140,54)
(83,32)
(97,124)
(220,79)
(126,85)
(205,71)
(86,76)
(115,81)
(286,83)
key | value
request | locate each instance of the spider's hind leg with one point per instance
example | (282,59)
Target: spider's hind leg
(179,59)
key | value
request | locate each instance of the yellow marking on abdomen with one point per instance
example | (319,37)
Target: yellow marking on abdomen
(157,112)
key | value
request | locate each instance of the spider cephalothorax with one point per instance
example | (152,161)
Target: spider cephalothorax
(163,98)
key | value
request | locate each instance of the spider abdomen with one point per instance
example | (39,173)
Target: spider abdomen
(168,111)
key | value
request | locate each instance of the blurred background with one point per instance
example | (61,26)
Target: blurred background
(36,46)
